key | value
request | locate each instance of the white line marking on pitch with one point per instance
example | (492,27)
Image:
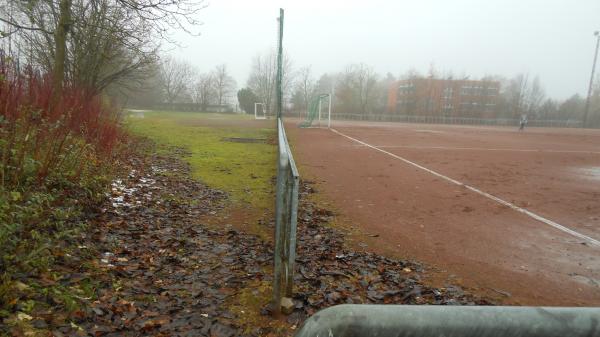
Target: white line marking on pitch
(479,149)
(485,194)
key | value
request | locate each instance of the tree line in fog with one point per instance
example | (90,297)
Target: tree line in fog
(357,89)
(114,50)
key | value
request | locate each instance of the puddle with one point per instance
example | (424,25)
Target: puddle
(245,140)
(122,195)
(586,280)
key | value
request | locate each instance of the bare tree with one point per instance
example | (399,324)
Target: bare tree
(306,86)
(175,77)
(357,89)
(122,53)
(262,78)
(204,92)
(121,22)
(411,74)
(326,83)
(383,88)
(516,92)
(263,75)
(433,71)
(223,83)
(535,96)
(144,92)
(365,81)
(549,109)
(572,108)
(524,96)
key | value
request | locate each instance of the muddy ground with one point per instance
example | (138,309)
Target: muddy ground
(162,271)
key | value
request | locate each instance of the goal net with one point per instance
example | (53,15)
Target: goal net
(319,112)
(259,111)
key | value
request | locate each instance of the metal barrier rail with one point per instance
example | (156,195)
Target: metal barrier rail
(349,320)
(286,215)
(455,120)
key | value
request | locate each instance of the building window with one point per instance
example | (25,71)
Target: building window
(489,106)
(447,93)
(478,90)
(466,106)
(406,88)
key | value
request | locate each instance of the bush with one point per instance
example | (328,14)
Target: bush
(40,134)
(247,98)
(56,159)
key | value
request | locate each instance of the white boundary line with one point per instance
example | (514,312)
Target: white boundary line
(485,194)
(481,149)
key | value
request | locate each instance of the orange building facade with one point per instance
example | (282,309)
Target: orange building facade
(449,98)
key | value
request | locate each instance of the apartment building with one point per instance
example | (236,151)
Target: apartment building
(443,97)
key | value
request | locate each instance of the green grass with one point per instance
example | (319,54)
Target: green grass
(244,170)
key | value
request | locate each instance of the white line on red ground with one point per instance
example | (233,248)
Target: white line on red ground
(478,191)
(480,149)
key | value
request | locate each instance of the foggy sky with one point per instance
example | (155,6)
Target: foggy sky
(550,38)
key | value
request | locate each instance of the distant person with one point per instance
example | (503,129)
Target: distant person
(522,122)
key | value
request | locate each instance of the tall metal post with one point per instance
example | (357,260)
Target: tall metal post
(282,166)
(279,230)
(280,65)
(589,95)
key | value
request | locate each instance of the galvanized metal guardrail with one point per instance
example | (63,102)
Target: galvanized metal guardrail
(286,215)
(349,320)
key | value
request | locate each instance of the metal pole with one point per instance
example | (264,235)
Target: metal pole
(587,101)
(282,167)
(280,65)
(282,163)
(293,216)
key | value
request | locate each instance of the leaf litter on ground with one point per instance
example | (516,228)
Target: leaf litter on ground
(162,272)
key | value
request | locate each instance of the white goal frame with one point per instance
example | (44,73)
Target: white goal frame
(321,97)
(256,116)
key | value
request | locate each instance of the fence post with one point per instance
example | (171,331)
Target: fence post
(292,224)
(279,230)
(286,215)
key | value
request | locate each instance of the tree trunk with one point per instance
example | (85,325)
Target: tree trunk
(60,43)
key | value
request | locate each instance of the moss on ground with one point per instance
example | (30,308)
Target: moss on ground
(248,304)
(244,170)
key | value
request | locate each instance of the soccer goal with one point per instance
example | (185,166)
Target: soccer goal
(319,112)
(260,111)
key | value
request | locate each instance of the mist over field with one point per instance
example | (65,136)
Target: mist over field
(550,39)
(233,168)
(538,55)
(508,60)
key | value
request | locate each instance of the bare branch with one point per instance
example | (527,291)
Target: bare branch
(19,27)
